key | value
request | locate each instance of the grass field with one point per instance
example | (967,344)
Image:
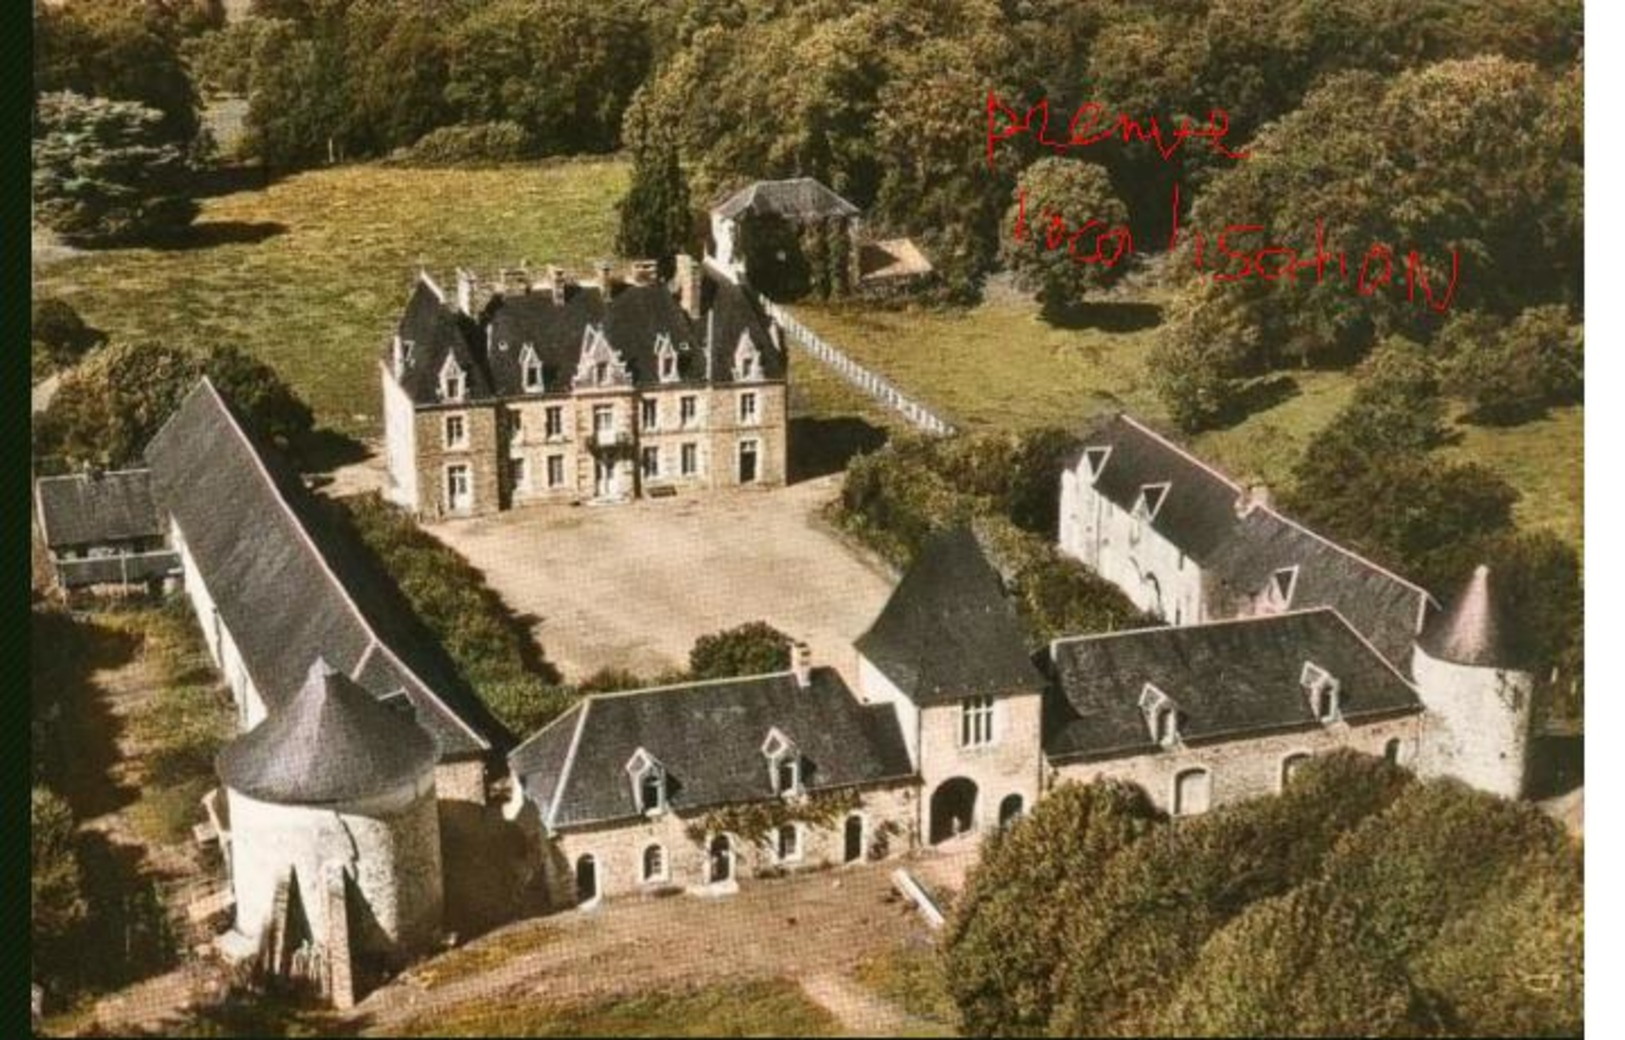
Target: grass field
(774,1007)
(311,273)
(998,366)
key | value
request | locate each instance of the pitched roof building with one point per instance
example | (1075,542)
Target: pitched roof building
(101,530)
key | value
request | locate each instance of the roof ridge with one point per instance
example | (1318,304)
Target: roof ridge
(1369,645)
(1215,623)
(327,568)
(82,475)
(569,763)
(695,684)
(1346,551)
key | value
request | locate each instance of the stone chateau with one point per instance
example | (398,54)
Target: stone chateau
(1280,645)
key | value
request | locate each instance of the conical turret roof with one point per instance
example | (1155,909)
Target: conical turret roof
(332,742)
(1475,630)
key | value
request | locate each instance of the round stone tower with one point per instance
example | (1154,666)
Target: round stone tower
(1477,693)
(334,828)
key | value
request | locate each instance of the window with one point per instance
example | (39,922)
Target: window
(1390,751)
(976,721)
(1193,792)
(1282,584)
(654,864)
(520,473)
(1161,715)
(603,418)
(1322,690)
(667,356)
(787,843)
(747,408)
(783,763)
(648,782)
(516,424)
(1151,499)
(788,775)
(554,418)
(1290,766)
(531,367)
(459,488)
(747,359)
(690,460)
(651,463)
(688,408)
(649,414)
(600,373)
(456,431)
(1095,460)
(451,380)
(555,471)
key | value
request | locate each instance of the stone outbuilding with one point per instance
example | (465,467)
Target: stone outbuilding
(334,835)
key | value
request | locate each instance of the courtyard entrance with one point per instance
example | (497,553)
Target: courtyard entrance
(953,809)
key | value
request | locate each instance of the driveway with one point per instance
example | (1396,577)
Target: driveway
(632,586)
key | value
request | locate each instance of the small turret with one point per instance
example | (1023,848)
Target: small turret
(1477,690)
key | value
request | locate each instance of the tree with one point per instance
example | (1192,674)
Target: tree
(122,50)
(109,407)
(656,221)
(58,903)
(754,648)
(59,335)
(1005,936)
(396,68)
(1201,355)
(1537,360)
(105,171)
(297,97)
(1056,199)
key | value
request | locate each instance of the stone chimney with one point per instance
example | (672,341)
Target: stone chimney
(557,283)
(644,272)
(801,664)
(688,285)
(1257,493)
(465,291)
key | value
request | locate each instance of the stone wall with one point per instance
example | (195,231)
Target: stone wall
(1246,768)
(1010,765)
(888,815)
(1479,723)
(1129,553)
(479,453)
(390,845)
(461,780)
(728,434)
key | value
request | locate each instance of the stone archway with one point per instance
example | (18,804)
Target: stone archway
(953,809)
(1010,810)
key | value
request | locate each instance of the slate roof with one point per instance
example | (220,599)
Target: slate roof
(948,630)
(1230,679)
(95,509)
(1383,607)
(633,319)
(1474,631)
(1198,511)
(290,586)
(709,738)
(799,198)
(333,742)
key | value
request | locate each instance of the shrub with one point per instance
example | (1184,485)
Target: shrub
(58,903)
(1512,376)
(755,648)
(59,335)
(470,144)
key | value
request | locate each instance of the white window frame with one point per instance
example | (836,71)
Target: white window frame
(1094,461)
(1145,506)
(553,422)
(1161,715)
(551,459)
(1324,692)
(688,460)
(798,852)
(461,440)
(978,727)
(1290,763)
(649,413)
(467,472)
(688,411)
(644,455)
(749,414)
(519,472)
(641,767)
(531,365)
(1176,807)
(755,446)
(452,377)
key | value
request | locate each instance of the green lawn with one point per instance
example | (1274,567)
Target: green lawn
(775,1007)
(311,273)
(998,366)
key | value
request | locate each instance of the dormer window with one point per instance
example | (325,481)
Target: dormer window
(600,364)
(1324,692)
(1282,584)
(530,367)
(451,380)
(783,763)
(1151,499)
(747,360)
(666,358)
(648,782)
(1161,715)
(1094,460)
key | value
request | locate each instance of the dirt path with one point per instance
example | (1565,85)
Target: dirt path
(821,924)
(860,1012)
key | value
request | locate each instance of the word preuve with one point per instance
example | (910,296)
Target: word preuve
(1242,250)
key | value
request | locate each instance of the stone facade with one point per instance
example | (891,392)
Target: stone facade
(389,845)
(1478,723)
(461,780)
(887,817)
(1241,769)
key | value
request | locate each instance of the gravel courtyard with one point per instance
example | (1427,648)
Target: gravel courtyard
(632,586)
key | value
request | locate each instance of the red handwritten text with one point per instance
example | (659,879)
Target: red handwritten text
(1090,125)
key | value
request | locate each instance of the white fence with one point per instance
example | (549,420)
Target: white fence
(871,383)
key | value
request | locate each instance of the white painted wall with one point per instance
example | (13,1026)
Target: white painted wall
(1479,724)
(400,448)
(1127,552)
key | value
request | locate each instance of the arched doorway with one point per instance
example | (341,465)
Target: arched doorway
(1009,810)
(1290,766)
(1390,751)
(586,879)
(853,845)
(720,860)
(953,809)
